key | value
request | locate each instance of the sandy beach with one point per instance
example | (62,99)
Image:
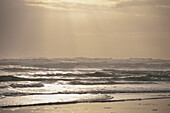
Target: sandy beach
(143,106)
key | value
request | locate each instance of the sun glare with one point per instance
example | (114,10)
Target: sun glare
(72,0)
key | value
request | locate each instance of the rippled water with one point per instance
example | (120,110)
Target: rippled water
(25,82)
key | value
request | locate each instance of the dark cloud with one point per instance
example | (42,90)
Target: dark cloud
(156,8)
(151,3)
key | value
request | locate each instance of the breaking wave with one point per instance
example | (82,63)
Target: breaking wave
(29,82)
(26,85)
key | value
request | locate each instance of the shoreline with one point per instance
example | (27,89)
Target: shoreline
(76,102)
(133,106)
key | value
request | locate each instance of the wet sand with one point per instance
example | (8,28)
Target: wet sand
(143,106)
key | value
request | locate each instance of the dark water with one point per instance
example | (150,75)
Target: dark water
(25,82)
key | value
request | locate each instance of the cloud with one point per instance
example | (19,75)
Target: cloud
(138,3)
(135,7)
(85,4)
(72,4)
(156,8)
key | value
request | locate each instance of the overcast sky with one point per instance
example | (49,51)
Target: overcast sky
(85,28)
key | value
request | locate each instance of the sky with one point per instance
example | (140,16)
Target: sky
(85,28)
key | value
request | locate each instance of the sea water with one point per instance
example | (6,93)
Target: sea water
(28,82)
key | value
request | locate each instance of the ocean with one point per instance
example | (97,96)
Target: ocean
(42,81)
